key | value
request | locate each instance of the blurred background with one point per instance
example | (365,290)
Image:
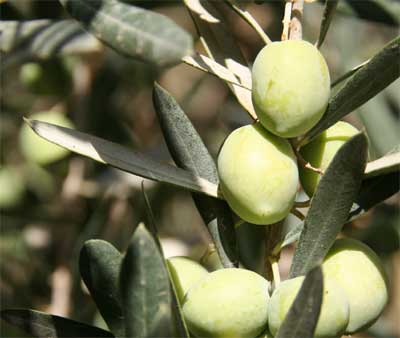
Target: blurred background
(51,201)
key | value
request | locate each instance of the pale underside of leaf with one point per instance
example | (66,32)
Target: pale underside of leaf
(383,165)
(120,157)
(197,7)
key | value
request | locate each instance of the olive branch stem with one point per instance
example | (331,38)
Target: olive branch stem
(298,214)
(286,20)
(246,16)
(296,29)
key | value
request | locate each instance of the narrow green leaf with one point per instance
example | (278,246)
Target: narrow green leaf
(374,191)
(382,11)
(45,38)
(383,165)
(178,316)
(368,81)
(145,288)
(120,157)
(133,31)
(302,316)
(43,325)
(189,152)
(329,11)
(100,264)
(331,205)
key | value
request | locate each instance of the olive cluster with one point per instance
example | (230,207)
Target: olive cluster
(237,303)
(259,178)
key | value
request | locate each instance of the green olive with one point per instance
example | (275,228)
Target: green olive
(334,315)
(12,187)
(37,149)
(258,174)
(227,303)
(358,270)
(291,87)
(320,152)
(185,273)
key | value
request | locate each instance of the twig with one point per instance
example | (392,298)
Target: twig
(298,214)
(303,204)
(302,161)
(286,20)
(246,16)
(275,270)
(296,30)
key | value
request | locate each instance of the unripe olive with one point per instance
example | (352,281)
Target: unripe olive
(320,152)
(291,87)
(258,174)
(12,187)
(185,273)
(227,303)
(37,149)
(334,315)
(358,270)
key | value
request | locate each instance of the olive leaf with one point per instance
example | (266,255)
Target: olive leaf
(368,81)
(383,165)
(133,31)
(42,325)
(223,49)
(329,11)
(145,288)
(44,39)
(99,265)
(178,316)
(189,152)
(302,317)
(331,205)
(120,157)
(382,11)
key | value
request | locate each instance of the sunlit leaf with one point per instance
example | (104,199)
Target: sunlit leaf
(383,165)
(120,157)
(133,31)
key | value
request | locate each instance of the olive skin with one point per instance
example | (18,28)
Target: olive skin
(227,303)
(334,315)
(291,87)
(12,187)
(358,270)
(37,149)
(185,273)
(320,152)
(258,174)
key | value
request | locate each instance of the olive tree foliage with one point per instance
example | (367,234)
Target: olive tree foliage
(133,291)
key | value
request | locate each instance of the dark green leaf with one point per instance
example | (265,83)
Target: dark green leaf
(189,152)
(368,81)
(374,191)
(331,205)
(179,321)
(329,11)
(120,157)
(43,325)
(382,11)
(100,264)
(145,288)
(45,38)
(302,316)
(133,31)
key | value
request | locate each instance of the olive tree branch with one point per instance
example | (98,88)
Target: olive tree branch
(301,160)
(298,214)
(302,204)
(286,20)
(246,16)
(296,30)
